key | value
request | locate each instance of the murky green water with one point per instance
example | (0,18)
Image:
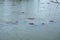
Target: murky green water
(29,20)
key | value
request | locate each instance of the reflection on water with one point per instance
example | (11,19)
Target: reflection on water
(29,20)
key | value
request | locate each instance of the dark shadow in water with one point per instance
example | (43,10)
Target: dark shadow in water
(31,23)
(31,18)
(43,23)
(51,21)
(54,2)
(22,12)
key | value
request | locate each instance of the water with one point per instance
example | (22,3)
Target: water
(14,20)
